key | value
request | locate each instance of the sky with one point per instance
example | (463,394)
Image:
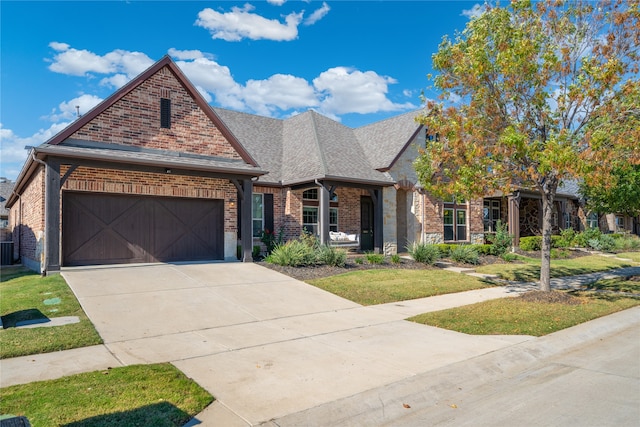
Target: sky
(356,62)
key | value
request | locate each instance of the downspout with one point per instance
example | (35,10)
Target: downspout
(20,222)
(46,225)
(424,233)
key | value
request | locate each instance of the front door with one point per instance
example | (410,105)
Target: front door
(366,223)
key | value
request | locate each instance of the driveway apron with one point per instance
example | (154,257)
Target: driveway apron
(264,344)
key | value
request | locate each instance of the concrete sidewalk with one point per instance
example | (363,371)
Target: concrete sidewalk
(265,345)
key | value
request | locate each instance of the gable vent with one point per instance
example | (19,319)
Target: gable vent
(165,113)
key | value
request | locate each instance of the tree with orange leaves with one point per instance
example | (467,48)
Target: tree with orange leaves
(545,92)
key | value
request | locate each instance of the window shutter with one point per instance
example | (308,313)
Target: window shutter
(268,211)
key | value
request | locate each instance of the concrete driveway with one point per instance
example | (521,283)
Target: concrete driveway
(264,344)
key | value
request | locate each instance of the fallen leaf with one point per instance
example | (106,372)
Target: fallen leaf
(406,406)
(453,405)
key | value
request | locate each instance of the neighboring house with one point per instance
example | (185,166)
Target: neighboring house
(153,173)
(6,187)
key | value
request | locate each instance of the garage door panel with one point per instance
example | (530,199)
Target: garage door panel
(108,229)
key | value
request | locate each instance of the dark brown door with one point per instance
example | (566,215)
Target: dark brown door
(114,229)
(366,223)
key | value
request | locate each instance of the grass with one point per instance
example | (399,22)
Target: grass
(516,316)
(369,287)
(635,256)
(26,296)
(139,395)
(529,269)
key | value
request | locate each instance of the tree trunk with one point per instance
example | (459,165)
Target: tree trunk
(545,265)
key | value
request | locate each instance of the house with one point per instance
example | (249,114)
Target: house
(6,187)
(153,173)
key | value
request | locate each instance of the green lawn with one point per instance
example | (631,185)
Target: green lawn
(25,295)
(516,316)
(529,268)
(369,287)
(140,395)
(635,256)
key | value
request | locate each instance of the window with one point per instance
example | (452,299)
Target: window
(619,223)
(592,220)
(490,215)
(165,113)
(310,194)
(455,220)
(567,220)
(333,219)
(257,213)
(310,220)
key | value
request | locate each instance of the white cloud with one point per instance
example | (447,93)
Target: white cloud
(352,91)
(78,62)
(336,91)
(214,78)
(475,11)
(67,110)
(240,23)
(12,148)
(277,2)
(279,91)
(318,14)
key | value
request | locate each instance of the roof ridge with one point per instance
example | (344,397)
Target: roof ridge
(323,158)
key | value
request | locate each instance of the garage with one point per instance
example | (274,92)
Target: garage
(118,229)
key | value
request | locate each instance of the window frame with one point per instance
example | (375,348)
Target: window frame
(456,206)
(254,218)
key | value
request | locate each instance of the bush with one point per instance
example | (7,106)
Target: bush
(605,243)
(567,237)
(627,243)
(501,241)
(270,239)
(332,256)
(531,243)
(559,253)
(424,253)
(359,261)
(582,239)
(395,258)
(294,253)
(373,258)
(444,249)
(255,252)
(509,257)
(484,249)
(465,254)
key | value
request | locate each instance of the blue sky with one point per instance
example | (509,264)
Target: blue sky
(354,61)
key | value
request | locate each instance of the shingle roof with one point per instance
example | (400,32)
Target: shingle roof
(311,146)
(6,186)
(385,139)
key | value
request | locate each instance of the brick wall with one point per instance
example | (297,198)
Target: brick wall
(134,120)
(150,184)
(26,221)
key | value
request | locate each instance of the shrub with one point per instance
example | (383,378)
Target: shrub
(255,252)
(484,249)
(424,253)
(559,253)
(582,239)
(332,256)
(294,253)
(531,243)
(359,260)
(270,239)
(509,257)
(566,239)
(604,243)
(627,243)
(373,258)
(465,254)
(309,239)
(444,249)
(395,258)
(501,241)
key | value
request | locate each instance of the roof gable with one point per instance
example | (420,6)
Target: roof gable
(129,117)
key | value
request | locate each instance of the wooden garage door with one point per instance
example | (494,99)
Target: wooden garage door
(114,229)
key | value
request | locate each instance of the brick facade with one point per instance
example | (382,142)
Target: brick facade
(27,222)
(134,120)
